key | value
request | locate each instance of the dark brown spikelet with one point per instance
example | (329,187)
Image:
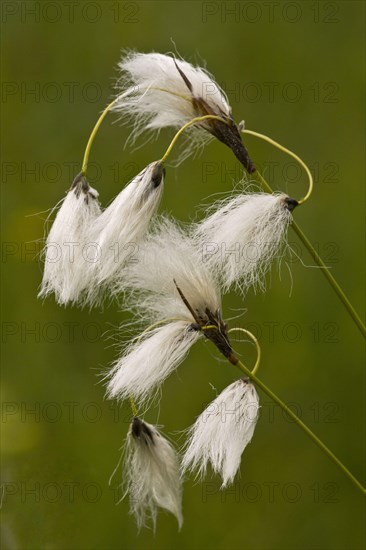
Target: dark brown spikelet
(141,431)
(211,324)
(226,132)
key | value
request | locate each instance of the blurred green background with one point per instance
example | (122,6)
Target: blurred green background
(293,70)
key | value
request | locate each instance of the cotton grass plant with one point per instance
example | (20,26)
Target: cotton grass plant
(174,285)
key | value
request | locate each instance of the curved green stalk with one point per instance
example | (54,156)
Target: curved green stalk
(256,343)
(96,128)
(93,134)
(327,274)
(184,127)
(293,155)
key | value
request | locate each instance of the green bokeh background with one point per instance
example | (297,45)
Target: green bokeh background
(289,495)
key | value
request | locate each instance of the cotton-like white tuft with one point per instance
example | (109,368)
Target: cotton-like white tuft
(148,361)
(167,258)
(151,474)
(117,232)
(167,282)
(243,236)
(221,433)
(161,91)
(65,263)
(160,95)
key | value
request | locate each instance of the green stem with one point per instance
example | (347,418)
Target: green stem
(258,348)
(183,128)
(94,133)
(324,269)
(260,179)
(299,422)
(293,155)
(337,289)
(133,406)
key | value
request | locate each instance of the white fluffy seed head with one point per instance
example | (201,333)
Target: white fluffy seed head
(221,433)
(159,95)
(148,361)
(151,474)
(167,258)
(161,91)
(115,235)
(243,236)
(66,268)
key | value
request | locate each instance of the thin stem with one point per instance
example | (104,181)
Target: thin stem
(96,128)
(292,154)
(259,352)
(133,406)
(93,134)
(106,111)
(260,179)
(327,274)
(187,125)
(100,120)
(325,270)
(299,422)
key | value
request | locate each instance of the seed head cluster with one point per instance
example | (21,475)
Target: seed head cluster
(174,281)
